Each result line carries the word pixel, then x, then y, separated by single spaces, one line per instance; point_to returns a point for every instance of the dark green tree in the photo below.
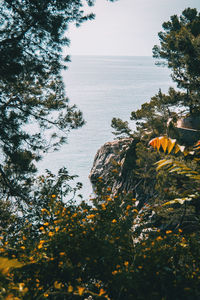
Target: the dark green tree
pixel 32 37
pixel 180 46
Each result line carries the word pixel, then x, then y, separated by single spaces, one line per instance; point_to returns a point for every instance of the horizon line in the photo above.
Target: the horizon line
pixel 112 55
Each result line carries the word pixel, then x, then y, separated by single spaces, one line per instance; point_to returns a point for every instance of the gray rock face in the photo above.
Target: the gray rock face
pixel 186 130
pixel 113 164
pixel 190 122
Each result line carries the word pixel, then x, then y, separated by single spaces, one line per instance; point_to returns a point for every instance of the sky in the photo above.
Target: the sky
pixel 125 27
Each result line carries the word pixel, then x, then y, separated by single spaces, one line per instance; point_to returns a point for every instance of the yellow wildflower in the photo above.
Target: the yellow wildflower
pixel 114 221
pixel 46 295
pixel 117 266
pixel 168 231
pixel 70 289
pixel 60 264
pixel 103 206
pixel 81 290
pixel 31 258
pixel 101 292
pixel 22 287
pixel 41 244
pixel 115 272
pixel 90 216
pixel 128 207
pixel 140 267
pixel 57 285
pixel 183 245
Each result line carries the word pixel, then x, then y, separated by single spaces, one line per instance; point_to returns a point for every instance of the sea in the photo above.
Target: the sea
pixel 103 87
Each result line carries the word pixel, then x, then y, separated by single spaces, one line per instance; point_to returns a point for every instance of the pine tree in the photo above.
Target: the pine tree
pixel 180 46
pixel 32 37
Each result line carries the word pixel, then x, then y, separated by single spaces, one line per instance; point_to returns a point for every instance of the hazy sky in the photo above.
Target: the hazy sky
pixel 125 27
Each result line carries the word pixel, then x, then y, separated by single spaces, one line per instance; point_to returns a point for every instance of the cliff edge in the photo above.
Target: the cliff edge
pixel 114 163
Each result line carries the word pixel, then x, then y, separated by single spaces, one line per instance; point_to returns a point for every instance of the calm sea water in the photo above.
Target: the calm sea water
pixel 103 87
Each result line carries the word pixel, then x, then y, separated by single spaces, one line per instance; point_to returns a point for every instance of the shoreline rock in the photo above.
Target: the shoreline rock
pixel 114 163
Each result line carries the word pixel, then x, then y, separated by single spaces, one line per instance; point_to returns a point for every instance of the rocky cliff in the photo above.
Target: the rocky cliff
pixel 114 164
pixel 115 161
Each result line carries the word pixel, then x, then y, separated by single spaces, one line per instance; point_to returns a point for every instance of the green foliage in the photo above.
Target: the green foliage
pixel 35 114
pixel 121 127
pixel 104 251
pixel 158 117
pixel 179 45
pixel 152 119
pixel 119 246
pixel 32 35
pixel 182 192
